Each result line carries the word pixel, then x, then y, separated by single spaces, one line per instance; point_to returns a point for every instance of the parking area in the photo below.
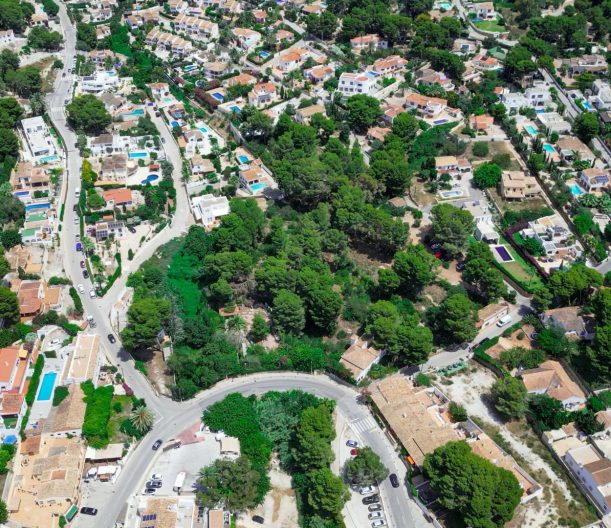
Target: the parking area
pixel 188 458
pixel 356 514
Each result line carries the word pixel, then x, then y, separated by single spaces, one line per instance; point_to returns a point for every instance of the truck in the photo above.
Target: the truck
pixel 179 482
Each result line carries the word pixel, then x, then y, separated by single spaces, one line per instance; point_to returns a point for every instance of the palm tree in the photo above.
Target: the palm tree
pixel 142 419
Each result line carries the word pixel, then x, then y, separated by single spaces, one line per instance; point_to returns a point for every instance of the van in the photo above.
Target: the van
pixel 503 320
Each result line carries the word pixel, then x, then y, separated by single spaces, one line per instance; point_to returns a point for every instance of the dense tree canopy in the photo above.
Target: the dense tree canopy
pixel 87 113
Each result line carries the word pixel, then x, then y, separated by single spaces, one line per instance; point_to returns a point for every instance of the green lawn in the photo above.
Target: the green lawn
pixel 520 268
pixel 490 25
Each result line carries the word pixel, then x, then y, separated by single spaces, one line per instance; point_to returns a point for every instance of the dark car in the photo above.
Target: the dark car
pixel 85 274
pixel 112 338
pixel 154 484
pixel 461 266
pixel 394 480
pixel 79 246
pixel 258 519
pixel 372 499
pixel 132 229
pixel 82 263
pixel 157 444
pixel 89 511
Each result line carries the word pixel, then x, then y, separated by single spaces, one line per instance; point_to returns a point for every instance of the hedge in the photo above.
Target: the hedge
pixel 76 299
pixel 35 380
pixel 97 413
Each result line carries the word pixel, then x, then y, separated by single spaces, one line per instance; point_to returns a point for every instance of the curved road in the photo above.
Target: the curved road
pixel 173 417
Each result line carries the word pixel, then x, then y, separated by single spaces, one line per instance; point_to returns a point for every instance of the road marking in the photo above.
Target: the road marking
pixel 363 424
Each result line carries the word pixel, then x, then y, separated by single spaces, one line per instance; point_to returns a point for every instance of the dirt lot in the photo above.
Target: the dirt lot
pixel 279 508
pixel 561 502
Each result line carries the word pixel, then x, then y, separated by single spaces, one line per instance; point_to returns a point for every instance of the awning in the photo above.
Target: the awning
pixel 71 513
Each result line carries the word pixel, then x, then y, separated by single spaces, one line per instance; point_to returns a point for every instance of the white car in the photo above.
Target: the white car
pixel 156 476
pixel 92 294
pixel 379 522
pixel 366 490
pixel 80 288
pixel 375 515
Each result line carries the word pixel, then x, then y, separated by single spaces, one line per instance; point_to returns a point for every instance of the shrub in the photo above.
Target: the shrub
pixel 76 299
pixel 60 394
pixel 480 149
pixel 423 380
pixel 458 412
pixel 35 380
pixel 97 413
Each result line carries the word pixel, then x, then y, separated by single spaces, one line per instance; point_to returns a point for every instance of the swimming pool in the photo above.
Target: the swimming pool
pixel 540 111
pixel 549 148
pixel 38 206
pixel 440 121
pixel 168 99
pixel 503 253
pixel 137 111
pixel 235 108
pixel 22 193
pixel 264 54
pixel 531 130
pixel 243 159
pixel 203 129
pixel 137 154
pixel 444 5
pixel 257 186
pixel 47 159
pixel 373 74
pixel 446 195
pixel 587 106
pixel 46 387
pixel 190 67
pixel 149 179
pixel 576 190
pixel 218 96
pixel 175 124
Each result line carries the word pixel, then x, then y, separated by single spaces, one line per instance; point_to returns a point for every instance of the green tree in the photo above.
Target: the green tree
pixel 363 112
pixel 86 36
pixel 405 126
pixel 480 149
pixel 486 281
pixel 458 412
pixel 142 419
pixel 312 439
pixel 457 319
pixel 518 63
pixel 87 113
pixel 147 317
pixel 15 15
pixel 9 306
pixel 509 396
pixel 288 313
pixel 41 38
pixel 323 25
pixel 416 343
pixel 3 512
pixel 586 126
pixel 586 421
pixel 9 144
pixel 452 227
pixel 487 175
pixel 548 411
pixel 259 329
pixel 415 267
pixel 533 246
pixel 327 494
pixel 365 468
pixel 232 483
pixel 25 81
pixel 484 495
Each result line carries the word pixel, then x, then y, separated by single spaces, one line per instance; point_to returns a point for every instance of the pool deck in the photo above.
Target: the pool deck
pixel 41 409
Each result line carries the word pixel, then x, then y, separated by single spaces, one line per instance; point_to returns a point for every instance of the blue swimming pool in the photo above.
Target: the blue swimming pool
pixel 10 440
pixel 242 158
pixel 587 106
pixel 203 129
pixel 22 193
pixel 503 253
pixel 540 111
pixel 257 186
pixel 47 159
pixel 218 96
pixel 549 148
pixel 46 387
pixel 264 54
pixel 576 190
pixel 440 121
pixel 531 130
pixel 137 154
pixel 149 179
pixel 175 124
pixel 235 108
pixel 137 111
pixel 37 207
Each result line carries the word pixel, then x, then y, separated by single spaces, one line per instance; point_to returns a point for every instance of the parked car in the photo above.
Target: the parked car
pixel 366 490
pixel 154 476
pixel 374 507
pixel 154 484
pixel 150 491
pixel 394 480
pixel 92 294
pixel 75 220
pixel 80 288
pixel 379 522
pixel 352 443
pixel 85 274
pixel 112 338
pixel 89 511
pixel 353 452
pixel 82 264
pixel 460 266
pixel 157 444
pixel 132 229
pixel 79 246
pixel 372 499
pixel 258 519
pixel 506 319
pixel 375 515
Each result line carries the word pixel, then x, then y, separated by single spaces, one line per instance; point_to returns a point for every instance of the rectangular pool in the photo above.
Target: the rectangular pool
pixel 531 130
pixel 549 148
pixel 257 186
pixel 46 387
pixel 218 96
pixel 37 207
pixel 503 253
pixel 576 190
pixel 137 154
pixel 243 159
